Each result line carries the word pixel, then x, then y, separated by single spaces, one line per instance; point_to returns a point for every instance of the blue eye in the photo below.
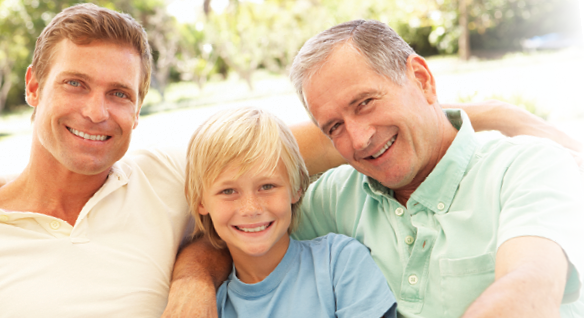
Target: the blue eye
pixel 120 94
pixel 74 83
pixel 267 186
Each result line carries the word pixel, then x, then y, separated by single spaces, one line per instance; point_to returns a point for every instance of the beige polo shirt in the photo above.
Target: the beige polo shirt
pixel 116 261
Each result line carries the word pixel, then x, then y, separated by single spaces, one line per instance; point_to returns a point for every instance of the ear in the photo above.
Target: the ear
pixel 296 197
pixel 137 117
pixel 419 71
pixel 202 210
pixel 32 88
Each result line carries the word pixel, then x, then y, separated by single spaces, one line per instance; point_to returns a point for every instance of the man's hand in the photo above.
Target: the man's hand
pixel 198 271
pixel 530 277
pixel 512 121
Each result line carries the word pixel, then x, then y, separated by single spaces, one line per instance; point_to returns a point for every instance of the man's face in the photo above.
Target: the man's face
pixel 87 107
pixel 383 130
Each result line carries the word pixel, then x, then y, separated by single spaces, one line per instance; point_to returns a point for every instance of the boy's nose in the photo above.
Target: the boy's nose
pixel 250 206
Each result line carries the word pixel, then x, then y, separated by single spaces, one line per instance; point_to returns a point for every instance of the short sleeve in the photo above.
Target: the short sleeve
pixel 359 286
pixel 541 195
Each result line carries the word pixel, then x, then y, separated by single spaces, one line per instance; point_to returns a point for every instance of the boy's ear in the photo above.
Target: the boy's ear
pixel 296 197
pixel 202 210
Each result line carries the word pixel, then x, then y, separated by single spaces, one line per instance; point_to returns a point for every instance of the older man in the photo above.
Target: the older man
pixel 459 227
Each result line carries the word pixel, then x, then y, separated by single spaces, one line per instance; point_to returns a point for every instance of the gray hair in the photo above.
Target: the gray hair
pixel 383 49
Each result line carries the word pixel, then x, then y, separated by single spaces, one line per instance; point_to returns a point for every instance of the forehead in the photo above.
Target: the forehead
pixel 344 76
pixel 100 60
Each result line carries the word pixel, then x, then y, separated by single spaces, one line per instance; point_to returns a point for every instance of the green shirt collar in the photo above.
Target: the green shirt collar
pixel 437 191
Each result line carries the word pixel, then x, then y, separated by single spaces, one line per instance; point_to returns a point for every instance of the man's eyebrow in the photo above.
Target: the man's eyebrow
pixel 354 100
pixel 75 74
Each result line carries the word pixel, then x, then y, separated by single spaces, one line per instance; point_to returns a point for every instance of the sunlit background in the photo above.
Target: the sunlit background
pixel 228 53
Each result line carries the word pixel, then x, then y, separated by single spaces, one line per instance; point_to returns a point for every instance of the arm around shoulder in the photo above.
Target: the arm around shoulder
pixel 511 121
pixel 198 271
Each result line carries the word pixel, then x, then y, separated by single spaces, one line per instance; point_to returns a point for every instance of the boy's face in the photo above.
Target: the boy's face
pixel 252 212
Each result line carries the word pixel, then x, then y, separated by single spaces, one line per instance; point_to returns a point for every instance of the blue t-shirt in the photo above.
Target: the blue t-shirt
pixel 330 276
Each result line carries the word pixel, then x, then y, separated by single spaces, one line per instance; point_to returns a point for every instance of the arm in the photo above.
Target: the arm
pixel 512 121
pixel 530 277
pixel 317 150
pixel 198 271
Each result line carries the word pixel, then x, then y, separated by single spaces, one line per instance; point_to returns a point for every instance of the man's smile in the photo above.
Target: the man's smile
pixel 383 149
pixel 88 136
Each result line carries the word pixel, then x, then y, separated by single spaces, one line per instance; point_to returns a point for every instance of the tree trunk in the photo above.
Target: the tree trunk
pixel 464 39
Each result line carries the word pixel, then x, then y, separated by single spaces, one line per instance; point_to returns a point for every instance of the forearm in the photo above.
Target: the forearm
pixel 513 121
pixel 198 271
pixel 317 150
pixel 528 282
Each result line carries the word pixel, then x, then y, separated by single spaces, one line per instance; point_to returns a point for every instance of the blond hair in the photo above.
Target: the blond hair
pixel 84 23
pixel 252 138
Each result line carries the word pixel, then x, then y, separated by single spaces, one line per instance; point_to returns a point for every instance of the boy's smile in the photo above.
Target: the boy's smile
pixel 251 212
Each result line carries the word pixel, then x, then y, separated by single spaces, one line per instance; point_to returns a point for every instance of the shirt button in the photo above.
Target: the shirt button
pixel 413 279
pixel 441 206
pixel 399 211
pixel 55 225
pixel 3 218
pixel 409 240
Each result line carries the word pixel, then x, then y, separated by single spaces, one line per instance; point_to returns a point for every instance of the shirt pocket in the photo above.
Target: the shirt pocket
pixel 463 280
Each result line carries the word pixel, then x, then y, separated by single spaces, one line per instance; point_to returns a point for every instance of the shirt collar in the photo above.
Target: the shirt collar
pixel 438 190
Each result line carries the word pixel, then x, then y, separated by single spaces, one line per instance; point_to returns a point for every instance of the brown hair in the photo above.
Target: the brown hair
pixel 84 23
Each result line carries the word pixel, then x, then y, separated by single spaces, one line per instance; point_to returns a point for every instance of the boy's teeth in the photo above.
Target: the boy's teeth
pixel 87 136
pixel 387 145
pixel 253 229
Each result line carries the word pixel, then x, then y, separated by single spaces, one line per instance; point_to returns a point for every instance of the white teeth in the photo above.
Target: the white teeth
pixel 87 136
pixel 253 229
pixel 387 145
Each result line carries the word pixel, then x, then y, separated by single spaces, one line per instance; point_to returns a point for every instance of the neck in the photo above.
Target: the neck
pixel 445 135
pixel 49 188
pixel 254 269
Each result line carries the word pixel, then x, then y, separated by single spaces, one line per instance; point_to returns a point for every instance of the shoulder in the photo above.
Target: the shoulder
pixel 333 245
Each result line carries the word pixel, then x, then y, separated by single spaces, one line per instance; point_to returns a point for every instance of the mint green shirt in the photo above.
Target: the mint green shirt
pixel 438 252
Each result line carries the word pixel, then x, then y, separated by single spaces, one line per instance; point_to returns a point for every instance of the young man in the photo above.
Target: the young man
pixel 85 233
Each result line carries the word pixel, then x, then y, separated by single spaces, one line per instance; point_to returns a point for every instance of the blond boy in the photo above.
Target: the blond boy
pixel 245 180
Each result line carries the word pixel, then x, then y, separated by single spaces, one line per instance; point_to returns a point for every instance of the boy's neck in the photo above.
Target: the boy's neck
pixel 252 269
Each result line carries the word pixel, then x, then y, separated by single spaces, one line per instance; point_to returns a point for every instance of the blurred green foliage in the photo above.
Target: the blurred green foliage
pixel 251 35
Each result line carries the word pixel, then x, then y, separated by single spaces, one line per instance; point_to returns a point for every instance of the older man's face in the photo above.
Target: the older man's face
pixel 386 131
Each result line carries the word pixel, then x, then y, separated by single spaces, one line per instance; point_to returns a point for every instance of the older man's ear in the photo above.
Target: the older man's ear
pixel 418 70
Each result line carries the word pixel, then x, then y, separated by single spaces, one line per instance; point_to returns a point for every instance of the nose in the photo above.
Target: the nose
pixel 250 206
pixel 360 133
pixel 95 108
